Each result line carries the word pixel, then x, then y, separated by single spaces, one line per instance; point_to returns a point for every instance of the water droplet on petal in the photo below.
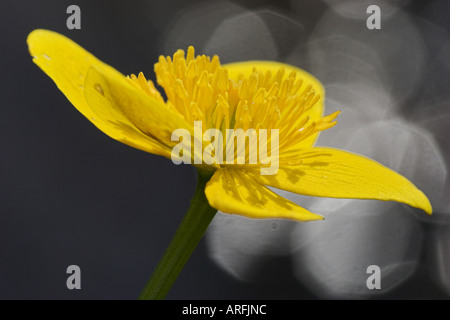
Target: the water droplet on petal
pixel 99 89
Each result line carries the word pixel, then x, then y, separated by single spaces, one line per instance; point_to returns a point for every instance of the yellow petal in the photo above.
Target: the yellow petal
pixel 326 172
pixel 67 64
pixel 246 68
pixel 113 98
pixel 236 192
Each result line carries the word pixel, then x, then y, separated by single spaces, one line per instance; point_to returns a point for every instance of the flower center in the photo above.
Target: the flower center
pixel 200 89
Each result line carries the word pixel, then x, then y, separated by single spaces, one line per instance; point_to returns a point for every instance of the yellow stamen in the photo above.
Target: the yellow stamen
pixel 199 89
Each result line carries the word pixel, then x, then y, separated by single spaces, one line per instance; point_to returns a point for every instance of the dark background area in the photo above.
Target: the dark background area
pixel 71 195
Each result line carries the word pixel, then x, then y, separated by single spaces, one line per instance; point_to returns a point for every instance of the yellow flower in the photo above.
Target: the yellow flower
pixel 253 94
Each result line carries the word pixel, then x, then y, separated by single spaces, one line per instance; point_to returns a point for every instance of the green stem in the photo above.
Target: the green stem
pixel 185 240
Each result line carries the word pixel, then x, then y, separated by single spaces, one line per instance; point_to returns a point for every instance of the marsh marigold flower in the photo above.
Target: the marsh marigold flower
pixel 244 95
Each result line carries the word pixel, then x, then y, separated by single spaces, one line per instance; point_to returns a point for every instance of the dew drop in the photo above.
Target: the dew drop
pixel 99 89
pixel 46 57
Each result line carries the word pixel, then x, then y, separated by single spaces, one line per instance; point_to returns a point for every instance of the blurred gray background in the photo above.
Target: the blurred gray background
pixel 71 195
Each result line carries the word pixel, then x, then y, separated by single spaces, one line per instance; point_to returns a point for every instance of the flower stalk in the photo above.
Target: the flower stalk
pixel 185 240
